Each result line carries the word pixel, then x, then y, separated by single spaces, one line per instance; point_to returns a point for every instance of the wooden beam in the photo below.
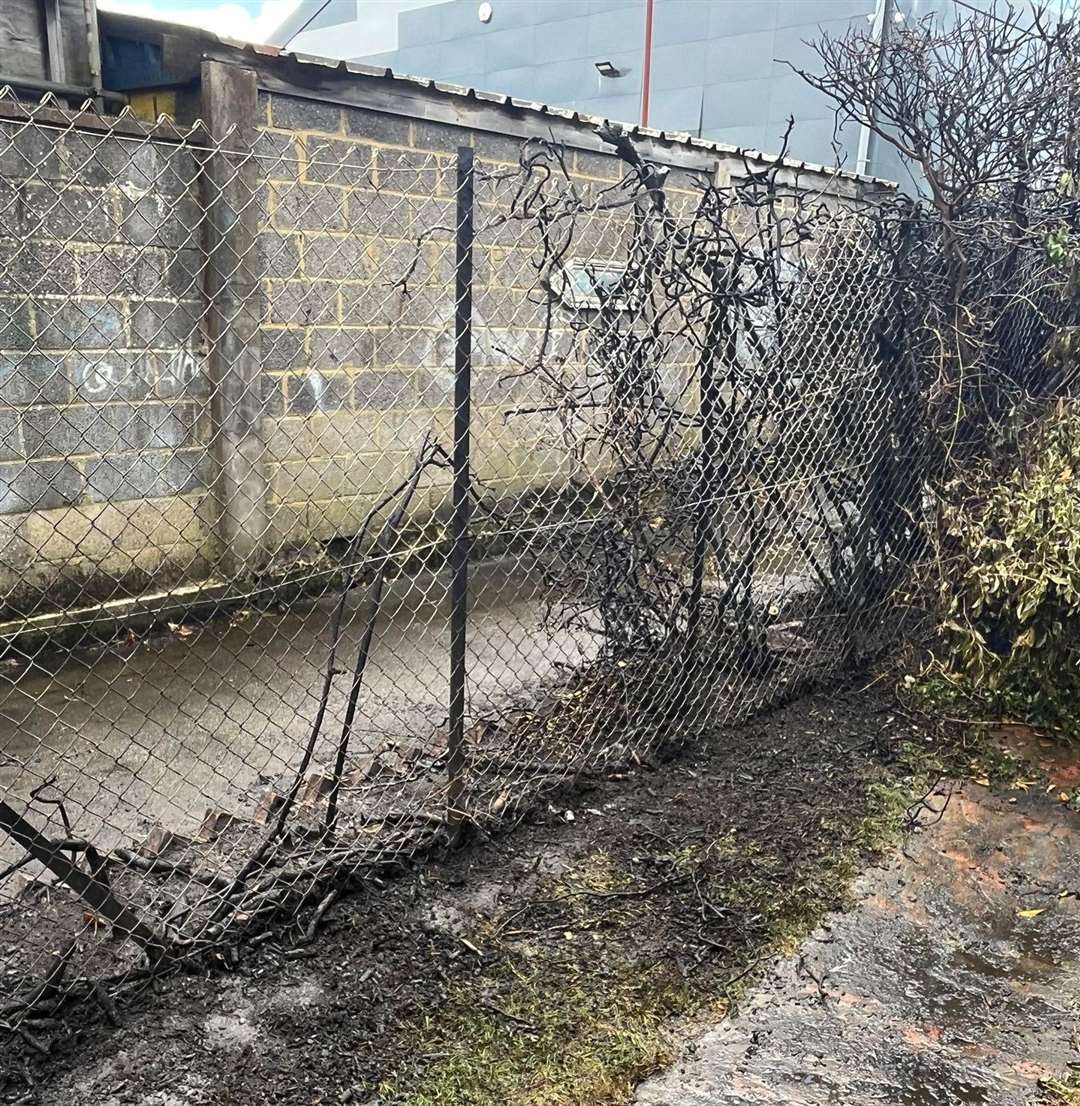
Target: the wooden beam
pixel 54 42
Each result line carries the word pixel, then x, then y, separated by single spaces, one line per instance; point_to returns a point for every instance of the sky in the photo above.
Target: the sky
pixel 249 20
pixel 255 20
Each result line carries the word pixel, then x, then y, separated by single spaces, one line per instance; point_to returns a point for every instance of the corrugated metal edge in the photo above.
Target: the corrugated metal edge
pixel 380 73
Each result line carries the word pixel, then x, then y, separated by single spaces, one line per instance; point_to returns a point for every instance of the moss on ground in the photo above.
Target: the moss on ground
pixel 575 1003
pixel 581 993
pixel 1057 1092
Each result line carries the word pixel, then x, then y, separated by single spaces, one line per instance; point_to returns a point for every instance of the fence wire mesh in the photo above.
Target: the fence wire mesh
pixel 230 452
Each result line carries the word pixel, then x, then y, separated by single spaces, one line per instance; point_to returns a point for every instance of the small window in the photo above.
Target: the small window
pixel 589 285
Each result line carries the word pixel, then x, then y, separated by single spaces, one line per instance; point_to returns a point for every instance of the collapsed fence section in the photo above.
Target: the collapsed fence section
pixel 487 471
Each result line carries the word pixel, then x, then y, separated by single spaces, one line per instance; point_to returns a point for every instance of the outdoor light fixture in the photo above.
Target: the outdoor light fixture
pixel 483 13
pixel 606 69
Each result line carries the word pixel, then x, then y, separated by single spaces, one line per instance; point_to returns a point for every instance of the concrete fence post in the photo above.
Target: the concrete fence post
pixel 231 281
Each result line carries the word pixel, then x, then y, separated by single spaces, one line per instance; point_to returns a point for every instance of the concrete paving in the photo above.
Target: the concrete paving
pixel 161 729
pixel 955 980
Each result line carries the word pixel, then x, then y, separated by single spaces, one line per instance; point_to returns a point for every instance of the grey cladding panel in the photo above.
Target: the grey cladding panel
pixel 624 109
pixel 748 138
pixel 513 82
pixel 509 49
pixel 458 19
pixel 558 42
pixel 334 14
pixel 739 58
pixel 791 95
pixel 791 13
pixel 678 66
pixel 678 21
pixel 557 11
pixel 736 17
pixel 419 26
pixel 613 31
pixel 737 103
pixel 566 82
pixel 793 44
pixel 676 110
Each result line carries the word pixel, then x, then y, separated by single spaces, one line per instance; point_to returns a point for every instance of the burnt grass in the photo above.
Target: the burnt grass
pixel 555 963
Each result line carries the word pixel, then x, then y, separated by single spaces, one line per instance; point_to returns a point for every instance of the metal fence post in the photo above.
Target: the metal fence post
pixel 459 530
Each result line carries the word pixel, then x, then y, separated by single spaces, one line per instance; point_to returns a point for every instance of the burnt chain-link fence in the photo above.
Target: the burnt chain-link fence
pixel 356 496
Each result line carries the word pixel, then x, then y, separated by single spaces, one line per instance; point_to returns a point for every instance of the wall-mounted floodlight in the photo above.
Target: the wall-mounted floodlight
pixel 606 69
pixel 484 12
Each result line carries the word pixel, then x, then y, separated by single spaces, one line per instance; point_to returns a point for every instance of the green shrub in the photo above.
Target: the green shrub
pixel 1009 579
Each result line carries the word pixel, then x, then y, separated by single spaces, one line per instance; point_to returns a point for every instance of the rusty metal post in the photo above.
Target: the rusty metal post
pixel 90 888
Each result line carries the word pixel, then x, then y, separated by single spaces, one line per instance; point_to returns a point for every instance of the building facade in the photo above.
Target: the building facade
pixel 718 69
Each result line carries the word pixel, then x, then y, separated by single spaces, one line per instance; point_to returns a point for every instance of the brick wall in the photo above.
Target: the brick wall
pixel 107 413
pixel 102 382
pixel 361 358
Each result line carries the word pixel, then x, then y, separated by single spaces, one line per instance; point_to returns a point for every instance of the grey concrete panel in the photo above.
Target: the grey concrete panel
pixel 613 31
pixel 559 41
pixel 678 21
pixel 738 17
pixel 680 66
pixel 737 103
pixel 676 110
pixel 739 57
pixel 507 49
pixel 790 13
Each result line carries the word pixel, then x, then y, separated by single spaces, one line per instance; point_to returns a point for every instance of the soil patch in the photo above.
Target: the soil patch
pixel 556 963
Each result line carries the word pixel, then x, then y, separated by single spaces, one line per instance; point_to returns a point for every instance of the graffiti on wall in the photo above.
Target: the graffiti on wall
pixel 163 376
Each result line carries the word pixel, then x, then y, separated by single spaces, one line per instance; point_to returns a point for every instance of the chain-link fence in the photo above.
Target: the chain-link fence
pixel 354 497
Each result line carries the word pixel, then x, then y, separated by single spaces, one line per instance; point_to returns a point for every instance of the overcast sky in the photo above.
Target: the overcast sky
pixel 255 20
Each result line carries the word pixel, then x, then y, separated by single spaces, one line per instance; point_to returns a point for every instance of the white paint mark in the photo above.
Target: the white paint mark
pixel 178 372
pixel 164 376
pixel 318 386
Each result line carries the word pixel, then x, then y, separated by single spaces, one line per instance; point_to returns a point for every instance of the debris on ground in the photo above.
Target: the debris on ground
pixel 561 963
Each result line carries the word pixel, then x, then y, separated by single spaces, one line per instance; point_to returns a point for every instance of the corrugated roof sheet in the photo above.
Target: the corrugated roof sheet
pixel 381 73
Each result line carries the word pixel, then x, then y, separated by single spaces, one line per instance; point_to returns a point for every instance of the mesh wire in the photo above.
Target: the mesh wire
pixel 681 421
